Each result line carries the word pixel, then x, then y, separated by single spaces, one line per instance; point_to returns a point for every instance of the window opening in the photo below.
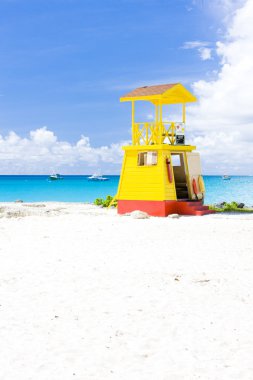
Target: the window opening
pixel 176 160
pixel 147 158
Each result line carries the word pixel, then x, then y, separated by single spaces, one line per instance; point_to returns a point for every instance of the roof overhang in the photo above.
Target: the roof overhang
pixel 176 93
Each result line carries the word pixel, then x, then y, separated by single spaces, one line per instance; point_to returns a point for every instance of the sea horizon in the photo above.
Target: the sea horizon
pixel 77 188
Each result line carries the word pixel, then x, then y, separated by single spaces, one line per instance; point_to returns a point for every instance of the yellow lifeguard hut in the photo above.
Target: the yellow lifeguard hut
pixel 160 174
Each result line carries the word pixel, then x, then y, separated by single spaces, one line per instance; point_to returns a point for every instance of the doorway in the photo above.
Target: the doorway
pixel 180 175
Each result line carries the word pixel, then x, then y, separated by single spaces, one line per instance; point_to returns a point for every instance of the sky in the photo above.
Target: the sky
pixel 65 63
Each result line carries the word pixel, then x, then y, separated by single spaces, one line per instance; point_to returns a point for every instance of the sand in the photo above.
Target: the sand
pixel 87 294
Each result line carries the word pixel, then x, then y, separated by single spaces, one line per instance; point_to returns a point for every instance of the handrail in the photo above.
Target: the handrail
pixel 151 133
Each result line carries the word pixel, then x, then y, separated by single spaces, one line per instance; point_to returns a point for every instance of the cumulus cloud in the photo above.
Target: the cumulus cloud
pixel 204 51
pixel 43 152
pixel 221 124
pixel 43 137
pixel 223 118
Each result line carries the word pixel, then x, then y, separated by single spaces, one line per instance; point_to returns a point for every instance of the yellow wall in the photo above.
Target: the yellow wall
pixel 147 182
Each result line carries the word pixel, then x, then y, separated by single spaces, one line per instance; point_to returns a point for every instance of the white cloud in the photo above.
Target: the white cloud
pixel 224 114
pixel 42 153
pixel 42 137
pixel 221 124
pixel 195 44
pixel 219 8
pixel 227 5
pixel 204 51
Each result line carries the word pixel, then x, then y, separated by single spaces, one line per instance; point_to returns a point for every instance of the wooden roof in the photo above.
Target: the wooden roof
pixel 149 90
pixel 162 93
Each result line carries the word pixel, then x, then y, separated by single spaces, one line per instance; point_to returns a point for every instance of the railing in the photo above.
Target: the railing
pixel 155 133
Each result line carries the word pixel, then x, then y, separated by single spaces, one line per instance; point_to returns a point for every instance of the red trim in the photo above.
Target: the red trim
pixel 194 186
pixel 163 208
pixel 169 171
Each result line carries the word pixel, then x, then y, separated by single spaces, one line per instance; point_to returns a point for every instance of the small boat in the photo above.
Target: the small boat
pixel 54 177
pixel 226 177
pixel 97 177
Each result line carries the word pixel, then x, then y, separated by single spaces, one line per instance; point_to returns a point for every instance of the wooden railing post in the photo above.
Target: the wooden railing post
pixel 146 133
pixel 172 133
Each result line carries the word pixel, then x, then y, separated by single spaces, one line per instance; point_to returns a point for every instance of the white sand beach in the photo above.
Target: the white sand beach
pixel 87 294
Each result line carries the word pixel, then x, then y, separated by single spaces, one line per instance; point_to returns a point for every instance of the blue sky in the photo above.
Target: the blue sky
pixel 65 63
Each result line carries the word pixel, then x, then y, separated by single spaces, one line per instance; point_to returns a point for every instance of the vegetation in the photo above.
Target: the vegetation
pixel 230 207
pixel 105 202
pixel 222 207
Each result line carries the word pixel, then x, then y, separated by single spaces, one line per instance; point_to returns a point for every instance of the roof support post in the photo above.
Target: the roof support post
pixel 183 110
pixel 156 114
pixel 161 112
pixel 133 128
pixel 160 123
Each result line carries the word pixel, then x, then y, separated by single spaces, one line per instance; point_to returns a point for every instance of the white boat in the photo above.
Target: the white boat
pixel 55 177
pixel 226 177
pixel 97 177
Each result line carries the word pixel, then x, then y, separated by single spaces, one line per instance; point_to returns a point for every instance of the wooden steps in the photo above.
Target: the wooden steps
pixel 193 208
pixel 181 190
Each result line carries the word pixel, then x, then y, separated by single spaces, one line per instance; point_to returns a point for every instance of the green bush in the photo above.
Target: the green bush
pixel 98 202
pixel 105 202
pixel 230 207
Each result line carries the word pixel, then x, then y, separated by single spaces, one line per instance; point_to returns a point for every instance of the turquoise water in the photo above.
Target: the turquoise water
pixel 79 189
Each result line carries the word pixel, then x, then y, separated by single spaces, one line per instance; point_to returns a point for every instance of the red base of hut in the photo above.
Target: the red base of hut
pixel 164 208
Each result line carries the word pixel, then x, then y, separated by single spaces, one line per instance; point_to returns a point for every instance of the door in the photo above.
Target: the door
pixel 180 175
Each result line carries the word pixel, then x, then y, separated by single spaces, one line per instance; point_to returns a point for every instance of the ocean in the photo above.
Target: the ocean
pixel 77 188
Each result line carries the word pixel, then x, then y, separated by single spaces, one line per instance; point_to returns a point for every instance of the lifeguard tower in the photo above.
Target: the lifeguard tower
pixel 160 174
